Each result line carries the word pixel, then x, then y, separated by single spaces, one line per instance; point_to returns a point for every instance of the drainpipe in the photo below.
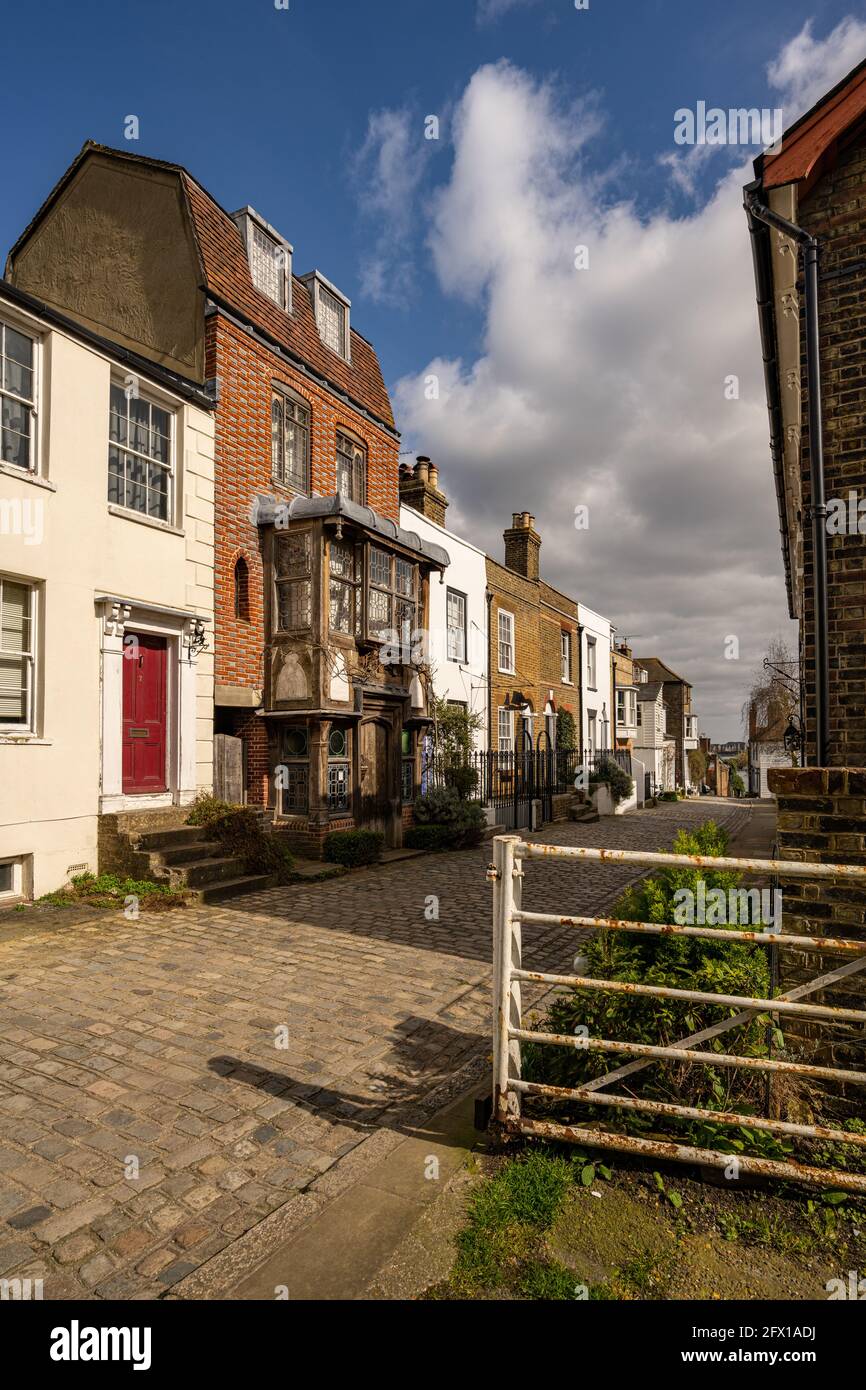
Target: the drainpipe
pixel 489 597
pixel 758 211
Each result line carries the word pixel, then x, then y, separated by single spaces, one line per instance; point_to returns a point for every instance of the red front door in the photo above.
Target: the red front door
pixel 144 709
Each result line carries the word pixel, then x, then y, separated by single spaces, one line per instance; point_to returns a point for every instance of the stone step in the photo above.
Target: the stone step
pixel 168 839
pixel 172 855
pixel 234 887
pixel 201 873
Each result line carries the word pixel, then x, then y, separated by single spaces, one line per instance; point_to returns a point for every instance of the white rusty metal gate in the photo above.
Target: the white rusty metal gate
pixel 508 1086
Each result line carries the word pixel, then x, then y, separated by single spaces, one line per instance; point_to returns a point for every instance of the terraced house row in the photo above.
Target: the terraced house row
pixel 216 571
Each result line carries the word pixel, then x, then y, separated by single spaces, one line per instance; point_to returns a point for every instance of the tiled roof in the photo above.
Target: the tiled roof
pixel 227 276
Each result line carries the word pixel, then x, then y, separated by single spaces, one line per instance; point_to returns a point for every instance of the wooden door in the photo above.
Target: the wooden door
pixel 374 775
pixel 145 730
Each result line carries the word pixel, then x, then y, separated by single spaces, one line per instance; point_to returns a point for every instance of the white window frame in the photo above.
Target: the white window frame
pixel 249 222
pixel 30 658
pixel 318 286
pixel 591 663
pixel 565 655
pixel 8 895
pixel 508 745
pixel 170 408
pixel 27 330
pixel 460 632
pixel 628 718
pixel 592 730
pixel 501 642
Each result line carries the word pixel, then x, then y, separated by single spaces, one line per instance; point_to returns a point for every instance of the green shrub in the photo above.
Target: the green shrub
pixel 240 833
pixel 667 796
pixel 432 837
pixel 462 778
pixel 675 961
pixel 353 848
pixel 609 771
pixel 206 809
pixel 110 890
pixel 566 730
pixel 443 807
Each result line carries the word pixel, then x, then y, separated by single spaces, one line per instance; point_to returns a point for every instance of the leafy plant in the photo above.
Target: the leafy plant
pixel 681 962
pixel 566 730
pixel 616 778
pixel 442 806
pixel 111 890
pixel 353 848
pixel 240 833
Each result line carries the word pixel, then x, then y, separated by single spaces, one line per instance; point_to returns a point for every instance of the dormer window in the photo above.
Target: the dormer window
pixel 331 309
pixel 269 255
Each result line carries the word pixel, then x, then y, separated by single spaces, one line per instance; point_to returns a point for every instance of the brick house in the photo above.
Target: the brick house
pixel 534 648
pixel 319 593
pixel 818 182
pixel 627 676
pixel 806 212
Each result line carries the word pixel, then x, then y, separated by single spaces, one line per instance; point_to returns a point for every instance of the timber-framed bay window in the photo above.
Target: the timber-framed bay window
pixel 17 397
pixel 392 597
pixel 290 439
pixel 140 455
pixel 351 468
pixel 293 580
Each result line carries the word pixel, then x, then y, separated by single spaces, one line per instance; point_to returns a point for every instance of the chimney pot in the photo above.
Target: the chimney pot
pixel 422 468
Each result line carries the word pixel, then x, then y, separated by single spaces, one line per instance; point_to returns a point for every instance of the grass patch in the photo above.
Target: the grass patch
pixel 502 1249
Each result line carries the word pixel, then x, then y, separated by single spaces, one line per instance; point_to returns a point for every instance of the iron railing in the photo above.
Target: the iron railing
pixel 509 917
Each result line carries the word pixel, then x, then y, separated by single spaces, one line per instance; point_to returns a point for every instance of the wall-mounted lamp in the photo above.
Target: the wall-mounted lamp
pixel 195 640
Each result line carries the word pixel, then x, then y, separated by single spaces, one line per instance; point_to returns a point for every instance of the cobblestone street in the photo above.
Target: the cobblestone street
pixel 167 1084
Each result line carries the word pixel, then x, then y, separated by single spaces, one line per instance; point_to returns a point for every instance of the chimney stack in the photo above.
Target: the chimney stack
pixel 522 545
pixel 419 489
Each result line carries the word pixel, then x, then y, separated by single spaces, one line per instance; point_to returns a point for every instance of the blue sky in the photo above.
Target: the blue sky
pixel 271 106
pixel 315 115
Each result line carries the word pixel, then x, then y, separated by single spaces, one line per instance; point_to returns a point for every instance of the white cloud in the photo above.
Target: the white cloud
pixel 387 172
pixel 808 67
pixel 605 387
pixel 490 10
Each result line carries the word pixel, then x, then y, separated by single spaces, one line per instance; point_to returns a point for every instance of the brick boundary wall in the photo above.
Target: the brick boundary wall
pixel 822 817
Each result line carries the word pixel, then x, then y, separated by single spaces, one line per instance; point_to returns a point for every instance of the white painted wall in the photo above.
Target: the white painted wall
pixel 53 778
pixel 763 757
pixel 597 700
pixel 467 573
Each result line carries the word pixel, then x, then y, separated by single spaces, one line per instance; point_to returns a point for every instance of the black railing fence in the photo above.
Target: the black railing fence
pixel 510 780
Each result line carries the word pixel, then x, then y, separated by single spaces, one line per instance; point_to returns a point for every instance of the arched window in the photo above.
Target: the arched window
pixel 242 588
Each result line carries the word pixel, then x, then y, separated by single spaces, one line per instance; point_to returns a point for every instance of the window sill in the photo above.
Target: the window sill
pixel 24 475
pixel 565 682
pixel 128 515
pixel 502 672
pixel 7 736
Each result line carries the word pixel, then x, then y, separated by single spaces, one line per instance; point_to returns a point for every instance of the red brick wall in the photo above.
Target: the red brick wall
pixel 246 371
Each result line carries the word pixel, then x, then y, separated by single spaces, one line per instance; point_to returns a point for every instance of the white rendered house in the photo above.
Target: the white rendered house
pixel 596 687
pixel 106 592
pixel 457 638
